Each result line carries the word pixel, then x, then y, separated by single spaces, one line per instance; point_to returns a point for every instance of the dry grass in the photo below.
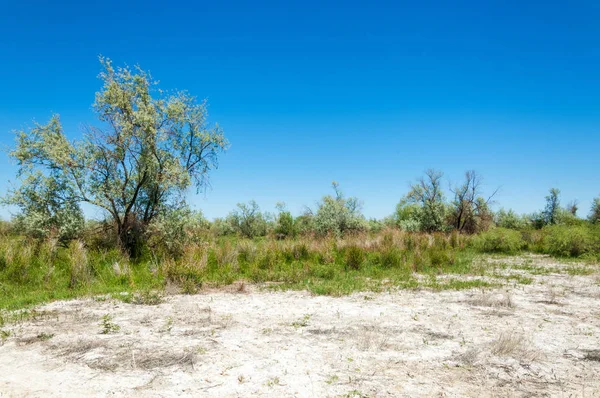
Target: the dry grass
pixel 493 299
pixel 147 359
pixel 552 295
pixel 76 349
pixel 372 338
pixel 511 344
pixel 470 357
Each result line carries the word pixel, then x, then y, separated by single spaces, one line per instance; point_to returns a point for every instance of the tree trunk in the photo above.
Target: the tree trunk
pixel 130 234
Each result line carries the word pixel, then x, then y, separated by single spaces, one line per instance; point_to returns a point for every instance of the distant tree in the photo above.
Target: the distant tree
pixel 470 211
pixel 222 227
pixel 285 226
pixel 509 219
pixel 150 147
pixel 408 216
pixel 552 209
pixel 572 207
pixel 427 193
pixel 248 220
pixel 594 216
pixel 338 215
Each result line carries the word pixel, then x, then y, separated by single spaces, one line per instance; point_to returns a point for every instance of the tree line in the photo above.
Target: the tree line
pixel 150 146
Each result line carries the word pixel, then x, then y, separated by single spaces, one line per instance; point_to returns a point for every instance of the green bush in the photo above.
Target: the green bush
pixel 568 241
pixel 338 215
pixel 175 228
pixel 247 220
pixel 440 257
pixel 499 240
pixel 285 227
pixel 355 257
pixel 391 258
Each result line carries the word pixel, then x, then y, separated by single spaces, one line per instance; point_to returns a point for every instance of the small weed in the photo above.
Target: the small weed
pixel 45 336
pixel 147 297
pixel 108 326
pixel 273 382
pixel 332 379
pixel 355 394
pixel 4 334
pixel 168 325
pixel 301 323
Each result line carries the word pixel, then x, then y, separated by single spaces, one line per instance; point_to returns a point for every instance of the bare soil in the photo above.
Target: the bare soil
pixel 538 339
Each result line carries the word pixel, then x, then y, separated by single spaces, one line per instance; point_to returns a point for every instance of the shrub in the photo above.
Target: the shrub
pixel 222 227
pixel 247 220
pixel 509 219
pixel 499 240
pixel 594 216
pixel 355 257
pixel 375 225
pixel 391 258
pixel 441 257
pixel 285 227
pixel 43 211
pixel 339 215
pixel 408 216
pixel 172 230
pixel 569 241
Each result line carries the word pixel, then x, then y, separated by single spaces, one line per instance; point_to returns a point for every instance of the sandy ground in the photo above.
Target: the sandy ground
pixel 541 339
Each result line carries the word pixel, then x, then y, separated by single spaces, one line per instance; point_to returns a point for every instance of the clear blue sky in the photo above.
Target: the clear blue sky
pixel 365 93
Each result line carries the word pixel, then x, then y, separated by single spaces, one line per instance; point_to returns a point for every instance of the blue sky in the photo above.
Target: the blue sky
pixel 369 94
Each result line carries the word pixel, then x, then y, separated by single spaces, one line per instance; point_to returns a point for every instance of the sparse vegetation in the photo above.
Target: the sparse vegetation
pixel 154 146
pixel 108 326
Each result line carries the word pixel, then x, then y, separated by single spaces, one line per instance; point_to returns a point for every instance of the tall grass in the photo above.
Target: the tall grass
pixel 33 271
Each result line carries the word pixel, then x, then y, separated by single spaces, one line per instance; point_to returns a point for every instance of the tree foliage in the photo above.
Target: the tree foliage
pixel 285 225
pixel 552 209
pixel 337 215
pixel 148 149
pixel 427 193
pixel 46 210
pixel 469 210
pixel 248 220
pixel 594 216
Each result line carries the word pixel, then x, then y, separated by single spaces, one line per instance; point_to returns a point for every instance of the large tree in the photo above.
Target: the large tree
pixel 148 149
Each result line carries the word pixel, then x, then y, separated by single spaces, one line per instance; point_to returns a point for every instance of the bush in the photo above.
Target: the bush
pixel 285 227
pixel 509 219
pixel 441 257
pixel 172 230
pixel 499 240
pixel 594 216
pixel 339 215
pixel 222 227
pixel 355 257
pixel 376 226
pixel 408 216
pixel 391 257
pixel 568 241
pixel 248 220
